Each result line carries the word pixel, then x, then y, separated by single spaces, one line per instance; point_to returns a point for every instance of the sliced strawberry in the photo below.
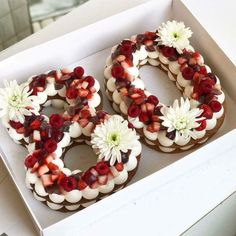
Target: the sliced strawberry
pixel 52 167
pixel 144 108
pixel 150 108
pixel 36 136
pixel 85 114
pixel 76 118
pixel 195 96
pixel 83 92
pixel 148 42
pixel 61 176
pixel 35 124
pixel 155 118
pixel 119 166
pixel 49 159
pixel 43 170
pixel 114 171
pixel 120 58
pixel 54 177
pixel 83 122
pixel 183 66
pixel 94 185
pixel 81 185
pixel 196 55
pixel 21 130
pixel 102 179
pixel 84 84
pixel 182 60
pixel 192 61
pixel 135 95
pixel 47 180
pixel 154 127
pixel 124 91
pixel 35 167
pixel 40 89
pixel 139 101
pixel 93 171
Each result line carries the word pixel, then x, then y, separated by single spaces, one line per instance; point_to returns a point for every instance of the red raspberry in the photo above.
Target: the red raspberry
pixel 206 85
pixel 207 111
pixel 202 125
pixel 188 73
pixel 50 145
pixel 102 168
pixel 143 117
pixel 89 178
pixel 56 121
pixel 133 111
pixel 126 49
pixel 168 51
pixel 30 161
pixel 78 72
pixel 71 93
pixel 153 99
pixel 215 106
pixel 90 81
pixel 117 71
pixel 68 183
pixel 35 124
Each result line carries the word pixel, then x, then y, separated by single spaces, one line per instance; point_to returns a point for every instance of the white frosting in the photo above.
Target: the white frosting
pixel 62 92
pixel 132 163
pixel 58 152
pixel 122 177
pixel 47 103
pixel 166 149
pixel 87 129
pixel 115 107
pixel 111 84
pixel 58 162
pixel 14 135
pixel 75 130
pixel 163 59
pixel 108 61
pixel 116 97
pixel 108 95
pixel 107 72
pixel 182 81
pixel 188 91
pixel 66 171
pixel 41 97
pixel 73 196
pixel 187 147
pixel 154 62
pixel 134 71
pixel 135 122
pixel 95 100
pixel 89 193
pixel 72 207
pixel 149 142
pixel 174 67
pixel 153 54
pixel 54 206
pixel 138 83
pixel 65 140
pixel 164 67
pixel 171 77
pixel 221 97
pixel 141 53
pixel 38 198
pixel 182 141
pixel 108 187
pixel 218 114
pixel 96 85
pixel 211 123
pixel 39 188
pixel 50 90
pixel 56 198
pixel 123 108
pixel 32 178
pixel 150 135
pixel 199 134
pixel 136 150
pixel 135 59
pixel 163 140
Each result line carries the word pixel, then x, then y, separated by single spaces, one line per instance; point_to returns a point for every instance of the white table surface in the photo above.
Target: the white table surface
pixel 14 219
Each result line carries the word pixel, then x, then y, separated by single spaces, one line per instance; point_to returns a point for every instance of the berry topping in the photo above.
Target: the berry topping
pixel 68 183
pixel 90 80
pixel 78 72
pixel 153 99
pixel 206 85
pixel 30 161
pixel 15 125
pixel 207 111
pixel 215 105
pixel 117 71
pixel 56 121
pixel 35 124
pixel 47 180
pixel 134 111
pixel 102 168
pixel 43 170
pixel 81 185
pixel 89 178
pixel 188 73
pixel 50 145
pixel 71 93
pixel 126 49
pixel 168 51
pixel 202 125
pixel 143 117
pixel 213 77
pixel 119 166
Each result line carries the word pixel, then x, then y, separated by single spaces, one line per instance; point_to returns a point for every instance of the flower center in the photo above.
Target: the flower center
pixel 180 123
pixel 113 138
pixel 176 36
pixel 15 101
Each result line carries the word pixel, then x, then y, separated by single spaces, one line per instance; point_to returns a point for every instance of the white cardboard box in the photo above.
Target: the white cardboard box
pixel 164 199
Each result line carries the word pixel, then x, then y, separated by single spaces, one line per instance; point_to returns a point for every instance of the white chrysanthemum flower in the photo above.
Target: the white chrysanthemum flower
pixel 181 118
pixel 174 34
pixel 16 102
pixel 113 137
